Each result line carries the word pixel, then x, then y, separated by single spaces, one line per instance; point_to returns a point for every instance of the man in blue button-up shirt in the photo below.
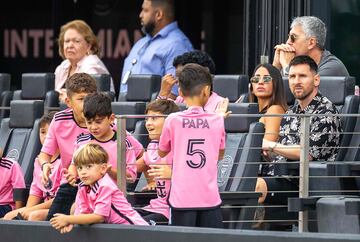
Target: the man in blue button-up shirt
pixel 155 52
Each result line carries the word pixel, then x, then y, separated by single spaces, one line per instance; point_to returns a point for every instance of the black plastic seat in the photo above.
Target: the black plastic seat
pixel 39 86
pixel 103 83
pixel 141 88
pixel 5 94
pixel 20 134
pixel 231 86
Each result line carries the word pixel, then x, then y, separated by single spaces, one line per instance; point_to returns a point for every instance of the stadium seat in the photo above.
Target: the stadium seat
pixel 243 135
pixel 20 134
pixel 231 86
pixel 38 86
pixel 5 95
pixel 141 88
pixel 103 83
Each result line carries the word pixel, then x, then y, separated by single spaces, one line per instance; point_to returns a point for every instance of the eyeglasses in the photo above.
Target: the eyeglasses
pixel 293 37
pixel 256 79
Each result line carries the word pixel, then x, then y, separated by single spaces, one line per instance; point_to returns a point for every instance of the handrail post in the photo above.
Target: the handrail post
pixel 304 170
pixel 121 153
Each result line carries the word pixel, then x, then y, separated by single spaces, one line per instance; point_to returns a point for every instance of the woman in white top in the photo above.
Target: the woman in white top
pixel 79 48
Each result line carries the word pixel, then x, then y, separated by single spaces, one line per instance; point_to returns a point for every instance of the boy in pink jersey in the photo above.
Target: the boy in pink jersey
pixel 63 130
pixel 99 119
pixel 100 200
pixel 197 140
pixel 35 209
pixel 11 178
pixel 158 209
pixel 197 57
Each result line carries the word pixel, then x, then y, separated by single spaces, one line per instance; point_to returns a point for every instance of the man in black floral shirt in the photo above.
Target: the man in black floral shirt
pixel 324 130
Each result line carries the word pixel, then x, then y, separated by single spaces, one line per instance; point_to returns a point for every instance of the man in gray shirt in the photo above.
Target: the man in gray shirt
pixel 307 37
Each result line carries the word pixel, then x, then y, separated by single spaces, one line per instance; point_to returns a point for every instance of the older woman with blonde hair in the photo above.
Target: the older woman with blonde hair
pixel 79 48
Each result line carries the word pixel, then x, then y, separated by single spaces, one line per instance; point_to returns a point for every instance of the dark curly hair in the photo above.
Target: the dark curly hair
pixel 196 56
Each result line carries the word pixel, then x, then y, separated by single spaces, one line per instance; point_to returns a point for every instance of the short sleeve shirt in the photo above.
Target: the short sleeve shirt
pixel 324 130
pixel 195 138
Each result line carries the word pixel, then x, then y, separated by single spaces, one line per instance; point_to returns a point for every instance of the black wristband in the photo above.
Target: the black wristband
pixel 42 165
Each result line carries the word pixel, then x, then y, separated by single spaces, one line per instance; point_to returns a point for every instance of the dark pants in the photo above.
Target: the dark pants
pixel 153 218
pixel 210 218
pixel 4 209
pixel 63 200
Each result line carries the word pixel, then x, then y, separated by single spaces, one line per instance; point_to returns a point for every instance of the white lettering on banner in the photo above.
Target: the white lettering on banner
pixel 39 43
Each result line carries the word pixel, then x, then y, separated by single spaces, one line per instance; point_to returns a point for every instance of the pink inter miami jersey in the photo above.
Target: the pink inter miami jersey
pixel 37 188
pixel 159 204
pixel 211 104
pixel 62 135
pixel 195 137
pixel 105 199
pixel 111 148
pixel 11 177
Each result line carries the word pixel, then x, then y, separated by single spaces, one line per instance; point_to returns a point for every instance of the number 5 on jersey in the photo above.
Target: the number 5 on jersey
pixel 192 151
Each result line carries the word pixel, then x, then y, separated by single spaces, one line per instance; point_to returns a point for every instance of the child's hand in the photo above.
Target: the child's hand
pixel 66 229
pixel 46 171
pixel 149 187
pixel 167 82
pixel 59 221
pixel 25 212
pixel 160 172
pixel 222 107
pixel 70 177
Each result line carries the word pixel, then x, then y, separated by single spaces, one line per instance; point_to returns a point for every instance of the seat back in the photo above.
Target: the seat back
pixel 38 86
pixel 236 128
pixel 142 88
pixel 231 86
pixel 5 94
pixel 20 134
pixel 103 82
pixel 134 125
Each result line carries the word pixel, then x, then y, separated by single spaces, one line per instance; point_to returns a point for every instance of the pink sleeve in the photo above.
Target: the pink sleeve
pixel 179 99
pixel 76 146
pixel 131 163
pixel 136 145
pixel 50 145
pixel 222 143
pixel 34 188
pixel 17 177
pixel 103 202
pixel 81 205
pixel 165 138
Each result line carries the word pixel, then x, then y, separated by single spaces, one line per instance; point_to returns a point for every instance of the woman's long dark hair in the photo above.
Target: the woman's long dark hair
pixel 278 95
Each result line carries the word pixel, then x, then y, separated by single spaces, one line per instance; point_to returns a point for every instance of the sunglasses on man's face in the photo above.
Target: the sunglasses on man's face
pixel 256 79
pixel 293 37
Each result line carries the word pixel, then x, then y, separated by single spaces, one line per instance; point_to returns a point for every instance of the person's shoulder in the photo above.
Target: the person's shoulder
pixel 83 138
pixel 8 163
pixel 330 65
pixel 64 115
pixel 275 109
pixel 105 183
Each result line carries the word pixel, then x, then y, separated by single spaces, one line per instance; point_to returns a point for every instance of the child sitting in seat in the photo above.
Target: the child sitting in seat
pixel 11 178
pixel 35 209
pixel 158 209
pixel 100 200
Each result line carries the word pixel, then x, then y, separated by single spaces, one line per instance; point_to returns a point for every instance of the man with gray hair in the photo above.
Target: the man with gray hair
pixel 307 36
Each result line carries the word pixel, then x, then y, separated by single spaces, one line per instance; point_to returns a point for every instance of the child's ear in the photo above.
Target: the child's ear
pixel 104 169
pixel 112 118
pixel 68 102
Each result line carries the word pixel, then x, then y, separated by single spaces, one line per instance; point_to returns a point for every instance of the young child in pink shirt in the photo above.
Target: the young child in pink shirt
pixel 99 119
pixel 100 200
pixel 11 177
pixel 197 140
pixel 35 209
pixel 158 209
pixel 63 130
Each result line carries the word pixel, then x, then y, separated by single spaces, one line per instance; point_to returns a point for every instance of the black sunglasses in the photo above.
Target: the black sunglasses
pixel 256 79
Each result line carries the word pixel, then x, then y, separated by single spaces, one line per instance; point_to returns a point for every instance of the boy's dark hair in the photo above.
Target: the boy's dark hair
pixel 162 106
pixel 46 119
pixel 196 56
pixel 304 59
pixel 80 82
pixel 97 104
pixel 193 78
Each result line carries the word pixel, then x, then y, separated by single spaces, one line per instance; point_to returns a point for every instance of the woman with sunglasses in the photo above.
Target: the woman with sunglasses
pixel 267 89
